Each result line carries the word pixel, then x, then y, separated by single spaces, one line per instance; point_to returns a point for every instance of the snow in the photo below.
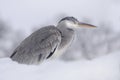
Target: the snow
pixel 102 68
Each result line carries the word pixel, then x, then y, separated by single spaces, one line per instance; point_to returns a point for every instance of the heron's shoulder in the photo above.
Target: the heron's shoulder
pixel 41 34
pixel 49 29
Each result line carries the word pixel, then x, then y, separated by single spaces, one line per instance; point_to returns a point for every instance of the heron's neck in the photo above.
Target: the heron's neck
pixel 67 35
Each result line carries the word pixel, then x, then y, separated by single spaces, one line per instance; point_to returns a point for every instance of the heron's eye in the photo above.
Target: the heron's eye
pixel 74 21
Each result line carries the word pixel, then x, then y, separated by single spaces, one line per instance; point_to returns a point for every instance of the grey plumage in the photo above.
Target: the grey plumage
pixel 31 50
pixel 46 42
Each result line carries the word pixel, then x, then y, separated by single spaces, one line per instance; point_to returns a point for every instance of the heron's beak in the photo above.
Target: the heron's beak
pixel 86 25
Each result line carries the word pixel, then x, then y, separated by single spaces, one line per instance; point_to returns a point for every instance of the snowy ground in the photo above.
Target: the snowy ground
pixel 103 68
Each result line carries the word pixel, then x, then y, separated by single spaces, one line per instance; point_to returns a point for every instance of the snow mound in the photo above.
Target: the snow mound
pixel 103 68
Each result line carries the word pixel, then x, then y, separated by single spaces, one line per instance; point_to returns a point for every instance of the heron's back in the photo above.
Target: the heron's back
pixel 43 41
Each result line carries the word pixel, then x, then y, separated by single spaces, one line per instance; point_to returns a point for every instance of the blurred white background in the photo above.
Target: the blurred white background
pixel 19 18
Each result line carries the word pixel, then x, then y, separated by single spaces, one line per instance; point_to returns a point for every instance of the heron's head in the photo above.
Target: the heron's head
pixel 72 22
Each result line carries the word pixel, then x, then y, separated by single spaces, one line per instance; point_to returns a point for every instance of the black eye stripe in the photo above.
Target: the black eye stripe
pixel 70 19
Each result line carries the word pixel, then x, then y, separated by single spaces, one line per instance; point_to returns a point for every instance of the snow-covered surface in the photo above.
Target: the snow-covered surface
pixel 102 68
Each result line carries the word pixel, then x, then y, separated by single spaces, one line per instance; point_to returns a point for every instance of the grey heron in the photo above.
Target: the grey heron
pixel 47 42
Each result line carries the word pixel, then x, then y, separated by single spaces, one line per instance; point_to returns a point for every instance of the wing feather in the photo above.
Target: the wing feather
pixel 38 46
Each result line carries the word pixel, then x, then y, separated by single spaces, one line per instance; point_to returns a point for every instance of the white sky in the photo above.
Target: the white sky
pixel 28 13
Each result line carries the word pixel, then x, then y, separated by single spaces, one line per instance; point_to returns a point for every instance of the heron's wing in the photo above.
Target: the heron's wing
pixel 41 44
